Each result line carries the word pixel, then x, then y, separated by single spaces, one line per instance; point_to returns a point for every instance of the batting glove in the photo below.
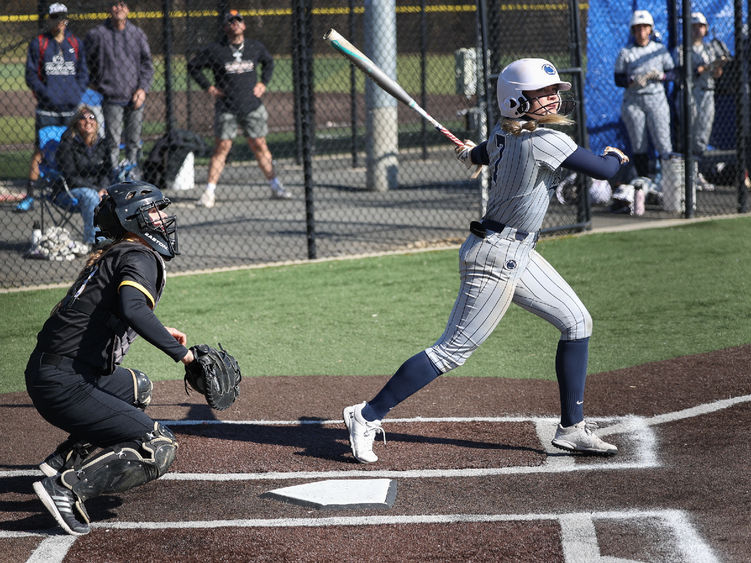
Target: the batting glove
pixel 463 153
pixel 617 152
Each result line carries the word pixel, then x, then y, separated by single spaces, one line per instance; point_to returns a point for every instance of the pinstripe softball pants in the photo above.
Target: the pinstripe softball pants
pixel 647 113
pixel 495 272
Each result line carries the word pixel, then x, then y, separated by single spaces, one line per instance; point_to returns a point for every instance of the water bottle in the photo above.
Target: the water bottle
pixel 36 234
pixel 639 201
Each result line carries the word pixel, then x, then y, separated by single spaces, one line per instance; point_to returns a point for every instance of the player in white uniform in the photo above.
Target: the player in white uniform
pixel 707 60
pixel 499 264
pixel 641 68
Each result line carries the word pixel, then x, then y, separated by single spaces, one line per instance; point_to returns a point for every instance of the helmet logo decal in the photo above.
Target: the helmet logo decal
pixel 547 68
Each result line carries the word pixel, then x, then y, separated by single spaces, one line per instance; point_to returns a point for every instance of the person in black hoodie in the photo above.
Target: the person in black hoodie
pixel 84 161
pixel 234 62
pixel 57 74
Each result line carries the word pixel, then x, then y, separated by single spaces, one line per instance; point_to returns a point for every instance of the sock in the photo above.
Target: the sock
pixel 274 183
pixel 571 371
pixel 413 375
pixel 211 188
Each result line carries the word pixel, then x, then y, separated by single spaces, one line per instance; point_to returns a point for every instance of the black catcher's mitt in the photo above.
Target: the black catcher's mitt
pixel 215 374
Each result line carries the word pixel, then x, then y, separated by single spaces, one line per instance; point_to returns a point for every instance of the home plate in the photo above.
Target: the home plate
pixel 340 493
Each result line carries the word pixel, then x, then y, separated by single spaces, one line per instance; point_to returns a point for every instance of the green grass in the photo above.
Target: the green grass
pixel 653 295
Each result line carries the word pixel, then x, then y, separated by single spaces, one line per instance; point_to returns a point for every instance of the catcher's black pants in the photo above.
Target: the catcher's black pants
pixel 92 408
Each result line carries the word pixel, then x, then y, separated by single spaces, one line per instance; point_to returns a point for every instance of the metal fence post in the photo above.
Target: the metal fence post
pixel 742 93
pixel 353 87
pixel 168 98
pixel 304 53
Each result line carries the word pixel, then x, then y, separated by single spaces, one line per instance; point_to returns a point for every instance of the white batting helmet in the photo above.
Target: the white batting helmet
pixel 698 18
pixel 641 17
pixel 522 75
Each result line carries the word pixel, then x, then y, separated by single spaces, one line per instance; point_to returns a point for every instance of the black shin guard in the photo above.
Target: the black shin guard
pixel 121 467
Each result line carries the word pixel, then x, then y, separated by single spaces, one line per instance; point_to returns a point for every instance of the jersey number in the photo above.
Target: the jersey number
pixel 500 142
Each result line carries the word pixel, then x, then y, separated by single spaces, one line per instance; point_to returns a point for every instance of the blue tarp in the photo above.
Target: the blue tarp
pixel 608 32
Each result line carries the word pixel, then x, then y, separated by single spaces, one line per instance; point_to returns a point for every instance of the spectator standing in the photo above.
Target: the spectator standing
pixel 121 71
pixel 57 74
pixel 84 162
pixel 641 68
pixel 237 92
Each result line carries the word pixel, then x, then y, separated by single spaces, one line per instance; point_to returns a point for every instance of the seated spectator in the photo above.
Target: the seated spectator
pixel 84 161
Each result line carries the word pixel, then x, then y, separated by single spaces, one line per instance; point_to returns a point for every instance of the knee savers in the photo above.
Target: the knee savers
pixel 121 467
pixel 142 387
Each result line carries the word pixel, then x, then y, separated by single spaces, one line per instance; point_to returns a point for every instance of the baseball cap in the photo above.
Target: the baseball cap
pixel 641 17
pixel 58 10
pixel 231 16
pixel 698 17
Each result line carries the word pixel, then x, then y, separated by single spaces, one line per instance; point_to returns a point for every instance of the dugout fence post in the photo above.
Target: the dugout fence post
pixel 688 128
pixel 742 94
pixel 301 14
pixel 584 207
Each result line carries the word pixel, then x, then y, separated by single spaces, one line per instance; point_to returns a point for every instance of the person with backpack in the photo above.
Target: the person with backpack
pixel 57 74
pixel 119 59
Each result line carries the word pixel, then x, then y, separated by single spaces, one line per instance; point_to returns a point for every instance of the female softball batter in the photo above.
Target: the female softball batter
pixel 74 378
pixel 498 262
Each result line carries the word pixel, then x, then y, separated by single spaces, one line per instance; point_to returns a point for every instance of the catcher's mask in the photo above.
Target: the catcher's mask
pixel 525 75
pixel 126 208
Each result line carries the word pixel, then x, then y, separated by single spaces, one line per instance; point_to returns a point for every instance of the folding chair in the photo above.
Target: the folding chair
pixel 56 202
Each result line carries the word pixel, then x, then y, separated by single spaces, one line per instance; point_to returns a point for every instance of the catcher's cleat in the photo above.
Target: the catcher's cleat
pixel 580 438
pixel 65 456
pixel 63 504
pixel 362 433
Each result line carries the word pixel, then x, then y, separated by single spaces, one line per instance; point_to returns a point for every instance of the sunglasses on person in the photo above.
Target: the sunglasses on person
pixel 88 116
pixel 59 16
pixel 235 19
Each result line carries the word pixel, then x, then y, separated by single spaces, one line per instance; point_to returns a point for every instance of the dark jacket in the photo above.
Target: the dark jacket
pixel 59 79
pixel 236 78
pixel 83 166
pixel 119 61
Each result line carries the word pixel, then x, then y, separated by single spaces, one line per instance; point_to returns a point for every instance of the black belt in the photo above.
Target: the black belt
pixel 55 360
pixel 479 228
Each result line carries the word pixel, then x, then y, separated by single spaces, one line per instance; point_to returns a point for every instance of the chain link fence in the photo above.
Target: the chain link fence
pixel 350 195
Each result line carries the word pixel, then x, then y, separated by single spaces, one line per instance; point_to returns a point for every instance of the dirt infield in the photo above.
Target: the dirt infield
pixel 478 481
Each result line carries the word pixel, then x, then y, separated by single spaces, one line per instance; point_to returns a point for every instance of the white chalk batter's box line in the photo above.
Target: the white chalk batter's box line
pixel 637 429
pixel 578 534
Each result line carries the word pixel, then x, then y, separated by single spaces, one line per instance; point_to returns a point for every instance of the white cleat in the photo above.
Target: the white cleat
pixel 362 433
pixel 580 438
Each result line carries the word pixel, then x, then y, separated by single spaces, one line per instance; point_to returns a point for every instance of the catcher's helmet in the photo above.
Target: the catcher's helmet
pixel 523 75
pixel 125 209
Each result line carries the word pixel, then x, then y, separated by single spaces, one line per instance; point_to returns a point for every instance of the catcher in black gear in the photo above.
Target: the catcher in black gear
pixel 215 374
pixel 74 376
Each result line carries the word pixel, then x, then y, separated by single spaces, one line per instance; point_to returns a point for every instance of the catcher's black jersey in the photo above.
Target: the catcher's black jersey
pixel 88 323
